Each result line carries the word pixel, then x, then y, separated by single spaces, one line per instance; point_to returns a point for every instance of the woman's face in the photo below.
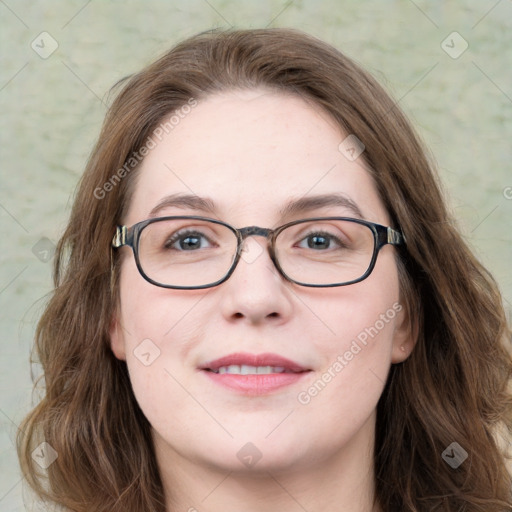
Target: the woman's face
pixel 251 153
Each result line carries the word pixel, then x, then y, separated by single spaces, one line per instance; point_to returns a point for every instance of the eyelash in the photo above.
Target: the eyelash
pixel 183 234
pixel 188 232
pixel 326 235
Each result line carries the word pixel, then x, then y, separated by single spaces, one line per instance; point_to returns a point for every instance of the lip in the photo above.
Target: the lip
pixel 260 384
pixel 267 359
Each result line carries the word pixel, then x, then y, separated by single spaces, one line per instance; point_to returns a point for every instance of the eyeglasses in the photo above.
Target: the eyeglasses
pixel 191 252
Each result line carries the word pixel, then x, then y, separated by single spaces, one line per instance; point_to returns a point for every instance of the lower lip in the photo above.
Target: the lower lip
pixel 256 384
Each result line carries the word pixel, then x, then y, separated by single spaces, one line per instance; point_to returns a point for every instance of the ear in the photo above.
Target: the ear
pixel 117 341
pixel 405 336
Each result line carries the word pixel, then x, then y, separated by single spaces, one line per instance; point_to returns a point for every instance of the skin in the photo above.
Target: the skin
pixel 251 152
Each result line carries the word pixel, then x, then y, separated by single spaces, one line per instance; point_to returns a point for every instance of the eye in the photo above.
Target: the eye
pixel 319 240
pixel 187 240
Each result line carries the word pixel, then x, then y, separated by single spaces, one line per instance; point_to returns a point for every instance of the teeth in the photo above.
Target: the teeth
pixel 244 369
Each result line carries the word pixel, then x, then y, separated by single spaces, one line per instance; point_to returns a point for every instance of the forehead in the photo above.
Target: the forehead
pixel 251 152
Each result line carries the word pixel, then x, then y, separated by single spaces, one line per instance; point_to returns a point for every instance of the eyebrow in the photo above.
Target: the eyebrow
pixel 185 201
pixel 309 203
pixel 293 207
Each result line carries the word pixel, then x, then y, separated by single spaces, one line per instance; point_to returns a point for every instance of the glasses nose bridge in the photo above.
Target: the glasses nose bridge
pixel 254 231
pixel 244 233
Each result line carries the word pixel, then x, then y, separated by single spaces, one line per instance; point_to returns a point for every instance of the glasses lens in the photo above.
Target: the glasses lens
pixel 325 251
pixel 186 252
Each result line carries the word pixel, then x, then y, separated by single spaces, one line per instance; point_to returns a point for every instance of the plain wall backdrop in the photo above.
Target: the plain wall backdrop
pixel 445 62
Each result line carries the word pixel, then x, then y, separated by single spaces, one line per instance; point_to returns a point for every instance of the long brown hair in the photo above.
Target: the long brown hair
pixel 454 386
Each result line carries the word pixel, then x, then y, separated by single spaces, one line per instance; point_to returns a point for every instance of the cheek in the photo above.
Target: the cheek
pixel 151 312
pixel 358 325
pixel 363 312
pixel 160 330
pixel 344 393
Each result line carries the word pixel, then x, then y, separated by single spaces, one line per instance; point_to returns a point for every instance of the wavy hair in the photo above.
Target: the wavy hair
pixel 453 388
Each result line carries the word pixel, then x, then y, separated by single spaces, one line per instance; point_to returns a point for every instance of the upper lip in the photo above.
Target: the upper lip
pixel 266 359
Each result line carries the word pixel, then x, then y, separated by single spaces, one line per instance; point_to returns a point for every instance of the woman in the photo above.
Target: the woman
pixel 262 303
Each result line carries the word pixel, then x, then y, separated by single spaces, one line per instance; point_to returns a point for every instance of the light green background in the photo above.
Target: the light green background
pixel 52 110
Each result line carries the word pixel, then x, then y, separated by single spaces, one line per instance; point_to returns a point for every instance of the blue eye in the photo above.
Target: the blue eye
pixel 188 240
pixel 320 240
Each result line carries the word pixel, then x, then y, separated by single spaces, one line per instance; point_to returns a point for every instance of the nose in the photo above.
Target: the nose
pixel 256 292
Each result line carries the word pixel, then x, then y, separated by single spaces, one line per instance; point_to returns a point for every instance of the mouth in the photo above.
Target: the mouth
pixel 244 369
pixel 254 374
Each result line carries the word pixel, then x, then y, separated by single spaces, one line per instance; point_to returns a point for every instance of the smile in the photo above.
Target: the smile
pixel 244 369
pixel 254 374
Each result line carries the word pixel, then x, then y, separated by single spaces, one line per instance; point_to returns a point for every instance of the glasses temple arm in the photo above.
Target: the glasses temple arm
pixel 395 237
